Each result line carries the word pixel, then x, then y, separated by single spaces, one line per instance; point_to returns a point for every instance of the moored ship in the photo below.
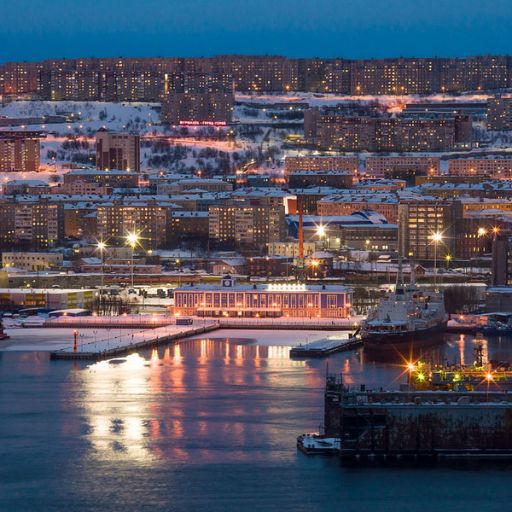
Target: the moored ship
pixel 406 321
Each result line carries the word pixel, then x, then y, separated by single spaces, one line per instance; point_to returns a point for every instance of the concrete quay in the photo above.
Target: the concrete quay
pixel 131 342
pixel 119 336
pixel 285 323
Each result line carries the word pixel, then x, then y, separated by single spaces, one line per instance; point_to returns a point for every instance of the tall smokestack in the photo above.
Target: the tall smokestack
pixel 301 232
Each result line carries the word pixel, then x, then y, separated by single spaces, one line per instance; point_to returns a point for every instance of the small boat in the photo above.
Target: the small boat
pixel 3 334
pixel 498 324
pixel 315 443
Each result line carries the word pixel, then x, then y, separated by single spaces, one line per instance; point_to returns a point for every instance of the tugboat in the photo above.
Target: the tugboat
pixel 405 321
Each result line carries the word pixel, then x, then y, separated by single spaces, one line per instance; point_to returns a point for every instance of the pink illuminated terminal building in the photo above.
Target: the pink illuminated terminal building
pixel 268 300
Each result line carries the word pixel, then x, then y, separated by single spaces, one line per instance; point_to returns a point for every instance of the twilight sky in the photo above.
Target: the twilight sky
pixel 37 29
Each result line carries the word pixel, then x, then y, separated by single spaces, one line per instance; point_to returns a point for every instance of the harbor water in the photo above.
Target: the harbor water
pixel 209 424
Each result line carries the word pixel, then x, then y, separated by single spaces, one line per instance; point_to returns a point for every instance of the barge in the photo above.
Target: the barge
pixel 435 414
pixel 325 347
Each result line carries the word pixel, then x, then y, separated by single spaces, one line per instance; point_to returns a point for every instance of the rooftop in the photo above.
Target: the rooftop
pixel 293 288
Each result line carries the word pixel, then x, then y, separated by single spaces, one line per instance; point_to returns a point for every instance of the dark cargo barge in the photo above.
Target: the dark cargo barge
pixel 418 424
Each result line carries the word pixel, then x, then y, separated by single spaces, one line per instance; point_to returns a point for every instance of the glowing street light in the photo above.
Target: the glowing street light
pixel 101 246
pixel 482 231
pixel 321 232
pixel 132 239
pixel 436 238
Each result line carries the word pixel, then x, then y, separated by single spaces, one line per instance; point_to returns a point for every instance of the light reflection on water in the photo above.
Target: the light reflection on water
pixel 122 426
pixel 208 424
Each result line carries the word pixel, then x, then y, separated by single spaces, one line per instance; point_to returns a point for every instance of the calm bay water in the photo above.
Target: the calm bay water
pixel 207 425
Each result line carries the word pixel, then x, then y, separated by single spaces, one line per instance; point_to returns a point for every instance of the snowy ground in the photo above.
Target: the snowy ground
pixel 343 323
pixel 193 152
pixel 96 339
pixel 85 118
pixel 89 340
pixel 393 103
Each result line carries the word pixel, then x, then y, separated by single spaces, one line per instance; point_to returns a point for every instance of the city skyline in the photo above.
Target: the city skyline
pixel 238 233
pixel 301 29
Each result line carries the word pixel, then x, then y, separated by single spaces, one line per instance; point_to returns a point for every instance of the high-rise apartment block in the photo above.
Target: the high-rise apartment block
pixel 34 223
pixel 150 219
pixel 247 224
pixel 19 78
pixel 198 99
pixel 395 166
pixel 19 151
pixel 495 168
pixel 145 79
pixel 321 163
pixel 328 129
pixel 418 220
pixel 120 151
pixel 499 113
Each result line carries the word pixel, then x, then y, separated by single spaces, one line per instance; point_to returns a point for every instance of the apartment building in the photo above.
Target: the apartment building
pixel 334 179
pixel 19 151
pixel 248 225
pixel 149 219
pixel 314 163
pixel 110 179
pixel 198 99
pixel 495 168
pixel 401 166
pixel 328 129
pixel 145 79
pixel 499 113
pixel 120 151
pixel 348 202
pixel 418 220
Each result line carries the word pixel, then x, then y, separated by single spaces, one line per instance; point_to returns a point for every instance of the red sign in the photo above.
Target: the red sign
pixel 203 123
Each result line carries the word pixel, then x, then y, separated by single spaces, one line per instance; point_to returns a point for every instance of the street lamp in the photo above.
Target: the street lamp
pixel 132 239
pixel 436 238
pixel 101 246
pixel 448 258
pixel 321 233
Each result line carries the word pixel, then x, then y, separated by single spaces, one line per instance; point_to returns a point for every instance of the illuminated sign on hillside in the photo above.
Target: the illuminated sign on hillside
pixel 203 123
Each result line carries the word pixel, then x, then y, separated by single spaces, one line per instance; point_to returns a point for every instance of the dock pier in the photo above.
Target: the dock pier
pixel 325 347
pixel 123 350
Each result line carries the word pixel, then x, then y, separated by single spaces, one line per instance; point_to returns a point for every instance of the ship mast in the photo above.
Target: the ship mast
pixel 399 277
pixel 300 269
